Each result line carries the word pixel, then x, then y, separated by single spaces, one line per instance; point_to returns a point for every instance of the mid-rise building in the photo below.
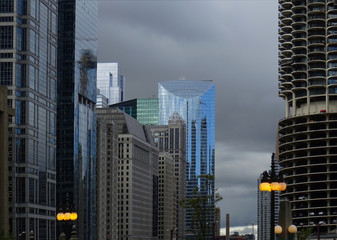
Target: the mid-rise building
pixel 102 101
pixel 194 101
pixel 308 133
pixel 137 177
pixel 111 82
pixel 76 117
pixel 5 113
pixel 145 110
pixel 28 45
pixel 171 139
pixel 107 171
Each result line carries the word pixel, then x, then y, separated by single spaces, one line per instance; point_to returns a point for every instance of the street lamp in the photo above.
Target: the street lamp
pixel 292 229
pixel 66 215
pixel 271 183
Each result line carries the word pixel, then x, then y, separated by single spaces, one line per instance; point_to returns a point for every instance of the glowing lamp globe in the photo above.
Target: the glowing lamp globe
pixel 278 229
pixel 283 186
pixel 60 216
pixel 265 186
pixel 67 216
pixel 73 216
pixel 275 186
pixel 292 229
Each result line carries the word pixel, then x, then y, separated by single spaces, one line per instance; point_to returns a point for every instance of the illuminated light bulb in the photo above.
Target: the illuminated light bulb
pixel 278 229
pixel 265 186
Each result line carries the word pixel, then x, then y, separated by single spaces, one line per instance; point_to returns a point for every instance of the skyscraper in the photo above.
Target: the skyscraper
pixel 107 171
pixel 111 82
pixel 137 177
pixel 308 133
pixel 5 112
pixel 28 43
pixel 145 110
pixel 171 139
pixel 194 101
pixel 76 119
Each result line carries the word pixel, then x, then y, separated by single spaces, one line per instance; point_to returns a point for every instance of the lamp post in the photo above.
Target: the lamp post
pixel 271 183
pixel 66 216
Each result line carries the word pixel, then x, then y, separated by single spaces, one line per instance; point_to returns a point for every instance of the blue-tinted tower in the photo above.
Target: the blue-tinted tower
pixel 195 102
pixel 76 118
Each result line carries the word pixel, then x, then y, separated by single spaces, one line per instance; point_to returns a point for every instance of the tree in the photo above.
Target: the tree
pixel 200 206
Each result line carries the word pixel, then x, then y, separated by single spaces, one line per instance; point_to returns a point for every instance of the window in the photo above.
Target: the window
pixel 6 37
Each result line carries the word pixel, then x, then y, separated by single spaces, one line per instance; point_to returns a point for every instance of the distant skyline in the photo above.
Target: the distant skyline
pixel 233 43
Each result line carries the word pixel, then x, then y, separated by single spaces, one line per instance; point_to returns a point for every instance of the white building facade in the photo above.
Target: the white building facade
pixel 111 82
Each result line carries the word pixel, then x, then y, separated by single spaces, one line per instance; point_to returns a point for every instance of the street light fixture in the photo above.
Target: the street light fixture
pixel 292 229
pixel 271 183
pixel 66 215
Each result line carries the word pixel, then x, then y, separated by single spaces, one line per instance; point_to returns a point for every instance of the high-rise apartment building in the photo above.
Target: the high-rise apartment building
pixel 194 101
pixel 5 113
pixel 137 177
pixel 76 117
pixel 171 139
pixel 107 171
pixel 111 82
pixel 308 133
pixel 145 110
pixel 28 43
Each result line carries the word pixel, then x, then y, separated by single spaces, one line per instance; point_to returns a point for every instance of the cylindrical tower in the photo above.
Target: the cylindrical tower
pixel 308 133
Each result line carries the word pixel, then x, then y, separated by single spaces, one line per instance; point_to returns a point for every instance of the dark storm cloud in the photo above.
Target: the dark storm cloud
pixel 233 43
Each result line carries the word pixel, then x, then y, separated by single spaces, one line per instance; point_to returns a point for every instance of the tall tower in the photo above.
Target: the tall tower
pixel 76 118
pixel 111 82
pixel 194 101
pixel 308 133
pixel 171 139
pixel 28 43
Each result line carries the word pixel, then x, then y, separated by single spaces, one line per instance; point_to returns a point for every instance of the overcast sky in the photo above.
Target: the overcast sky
pixel 234 43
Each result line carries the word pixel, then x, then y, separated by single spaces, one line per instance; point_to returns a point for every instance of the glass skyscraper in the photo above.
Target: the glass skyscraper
pixel 28 43
pixel 145 110
pixel 110 82
pixel 194 101
pixel 76 118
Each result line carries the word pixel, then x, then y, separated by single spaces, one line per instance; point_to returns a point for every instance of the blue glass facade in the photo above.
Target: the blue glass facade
pixel 76 125
pixel 195 102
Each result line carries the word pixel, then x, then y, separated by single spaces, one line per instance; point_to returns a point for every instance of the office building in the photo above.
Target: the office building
pixel 107 171
pixel 5 113
pixel 76 117
pixel 145 110
pixel 167 197
pixel 137 177
pixel 171 139
pixel 111 82
pixel 102 101
pixel 308 85
pixel 194 101
pixel 28 43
